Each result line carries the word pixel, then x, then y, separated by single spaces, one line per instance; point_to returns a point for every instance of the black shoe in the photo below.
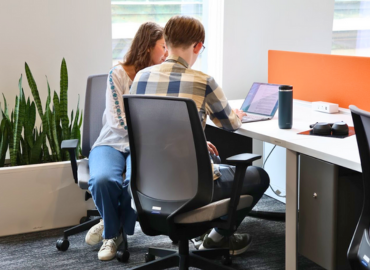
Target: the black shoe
pixel 197 241
pixel 237 243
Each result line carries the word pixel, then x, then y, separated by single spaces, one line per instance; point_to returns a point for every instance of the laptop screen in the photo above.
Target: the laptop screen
pixel 262 99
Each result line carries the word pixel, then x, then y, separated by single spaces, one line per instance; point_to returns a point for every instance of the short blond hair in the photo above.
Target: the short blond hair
pixel 183 31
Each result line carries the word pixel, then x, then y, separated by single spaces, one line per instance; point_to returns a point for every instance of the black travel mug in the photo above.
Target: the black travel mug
pixel 285 106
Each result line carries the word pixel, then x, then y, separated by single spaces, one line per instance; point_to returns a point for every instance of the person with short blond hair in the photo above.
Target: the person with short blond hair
pixel 182 31
pixel 185 38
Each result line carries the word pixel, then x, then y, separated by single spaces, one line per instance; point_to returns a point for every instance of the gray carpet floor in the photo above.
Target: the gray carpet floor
pixel 38 251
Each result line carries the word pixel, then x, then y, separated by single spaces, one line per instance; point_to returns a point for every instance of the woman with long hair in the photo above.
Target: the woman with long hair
pixel 109 158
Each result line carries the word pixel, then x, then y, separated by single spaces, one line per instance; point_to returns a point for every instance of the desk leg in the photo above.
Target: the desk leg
pixel 291 210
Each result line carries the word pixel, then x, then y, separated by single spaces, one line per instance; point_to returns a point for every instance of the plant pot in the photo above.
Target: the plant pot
pixel 39 197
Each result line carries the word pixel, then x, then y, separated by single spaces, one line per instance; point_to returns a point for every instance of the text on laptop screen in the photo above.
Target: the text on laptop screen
pixel 262 99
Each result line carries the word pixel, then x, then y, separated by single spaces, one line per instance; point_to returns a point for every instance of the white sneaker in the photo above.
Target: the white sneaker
pixel 109 248
pixel 95 234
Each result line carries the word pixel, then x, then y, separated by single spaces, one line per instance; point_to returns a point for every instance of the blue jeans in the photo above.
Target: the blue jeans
pixel 110 191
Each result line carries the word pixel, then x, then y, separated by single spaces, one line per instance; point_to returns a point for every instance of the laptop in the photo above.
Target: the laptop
pixel 261 102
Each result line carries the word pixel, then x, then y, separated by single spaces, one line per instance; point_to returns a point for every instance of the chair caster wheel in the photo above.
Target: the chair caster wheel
pixel 62 244
pixel 226 260
pixel 83 220
pixel 122 255
pixel 149 257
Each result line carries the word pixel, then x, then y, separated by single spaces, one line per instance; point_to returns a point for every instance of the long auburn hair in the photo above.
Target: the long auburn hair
pixel 144 41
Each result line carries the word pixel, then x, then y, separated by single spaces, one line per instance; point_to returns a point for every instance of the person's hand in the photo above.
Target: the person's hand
pixel 239 113
pixel 212 149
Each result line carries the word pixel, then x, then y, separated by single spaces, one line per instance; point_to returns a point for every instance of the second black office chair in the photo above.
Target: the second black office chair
pixel 359 250
pixel 172 180
pixel 92 124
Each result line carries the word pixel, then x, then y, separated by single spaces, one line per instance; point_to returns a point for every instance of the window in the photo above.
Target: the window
pixel 351 28
pixel 127 16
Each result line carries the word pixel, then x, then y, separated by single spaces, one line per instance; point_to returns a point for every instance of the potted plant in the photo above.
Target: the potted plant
pixel 38 179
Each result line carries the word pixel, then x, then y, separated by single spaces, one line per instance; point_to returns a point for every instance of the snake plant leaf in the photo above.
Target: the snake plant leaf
pixel 75 127
pixel 64 99
pixel 80 121
pixel 28 125
pixel 78 150
pixel 14 148
pixel 18 123
pixel 5 112
pixel 56 107
pixel 24 157
pixel 32 111
pixel 36 153
pixel 47 118
pixel 35 92
pixel 10 134
pixel 77 110
pixel 45 148
pixel 4 140
pixel 75 122
pixel 70 127
pixel 20 160
pixel 55 137
pixel 48 99
pixel 49 133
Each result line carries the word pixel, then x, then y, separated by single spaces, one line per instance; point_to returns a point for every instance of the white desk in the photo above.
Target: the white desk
pixel 342 152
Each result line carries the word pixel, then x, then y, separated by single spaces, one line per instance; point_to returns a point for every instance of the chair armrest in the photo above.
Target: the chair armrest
pixel 71 146
pixel 243 159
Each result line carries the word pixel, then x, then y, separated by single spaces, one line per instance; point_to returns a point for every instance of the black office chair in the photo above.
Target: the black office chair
pixel 92 124
pixel 359 250
pixel 172 180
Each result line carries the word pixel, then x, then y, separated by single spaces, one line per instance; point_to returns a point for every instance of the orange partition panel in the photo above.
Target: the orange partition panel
pixel 344 80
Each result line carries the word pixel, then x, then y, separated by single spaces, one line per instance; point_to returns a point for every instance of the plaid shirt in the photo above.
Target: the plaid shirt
pixel 174 78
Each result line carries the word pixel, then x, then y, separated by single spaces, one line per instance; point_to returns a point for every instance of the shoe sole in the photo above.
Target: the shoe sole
pixel 240 251
pixel 235 252
pixel 107 258
pixel 113 255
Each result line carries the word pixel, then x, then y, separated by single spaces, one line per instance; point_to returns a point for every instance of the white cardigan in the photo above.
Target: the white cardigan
pixel 113 132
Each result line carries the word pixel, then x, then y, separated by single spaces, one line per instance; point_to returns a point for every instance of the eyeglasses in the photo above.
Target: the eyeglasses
pixel 201 50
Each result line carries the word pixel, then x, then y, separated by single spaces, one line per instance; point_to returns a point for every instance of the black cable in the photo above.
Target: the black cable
pixel 263 166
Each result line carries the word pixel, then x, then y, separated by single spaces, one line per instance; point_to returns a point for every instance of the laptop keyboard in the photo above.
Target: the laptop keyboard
pixel 252 117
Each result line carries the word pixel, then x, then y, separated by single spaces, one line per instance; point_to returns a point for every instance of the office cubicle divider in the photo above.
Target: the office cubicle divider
pixel 337 79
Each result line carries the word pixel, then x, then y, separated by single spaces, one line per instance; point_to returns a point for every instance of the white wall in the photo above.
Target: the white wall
pixel 251 28
pixel 42 32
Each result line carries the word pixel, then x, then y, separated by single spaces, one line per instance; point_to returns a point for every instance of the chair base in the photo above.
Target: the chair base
pixel 86 224
pixel 183 258
pixel 268 215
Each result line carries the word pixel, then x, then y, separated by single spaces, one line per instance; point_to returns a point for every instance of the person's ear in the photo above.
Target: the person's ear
pixel 197 47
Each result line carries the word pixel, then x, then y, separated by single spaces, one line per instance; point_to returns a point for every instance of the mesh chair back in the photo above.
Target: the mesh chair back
pixel 361 121
pixel 170 160
pixel 94 108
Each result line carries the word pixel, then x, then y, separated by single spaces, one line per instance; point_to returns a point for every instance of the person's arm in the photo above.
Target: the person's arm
pixel 219 109
pixel 116 87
